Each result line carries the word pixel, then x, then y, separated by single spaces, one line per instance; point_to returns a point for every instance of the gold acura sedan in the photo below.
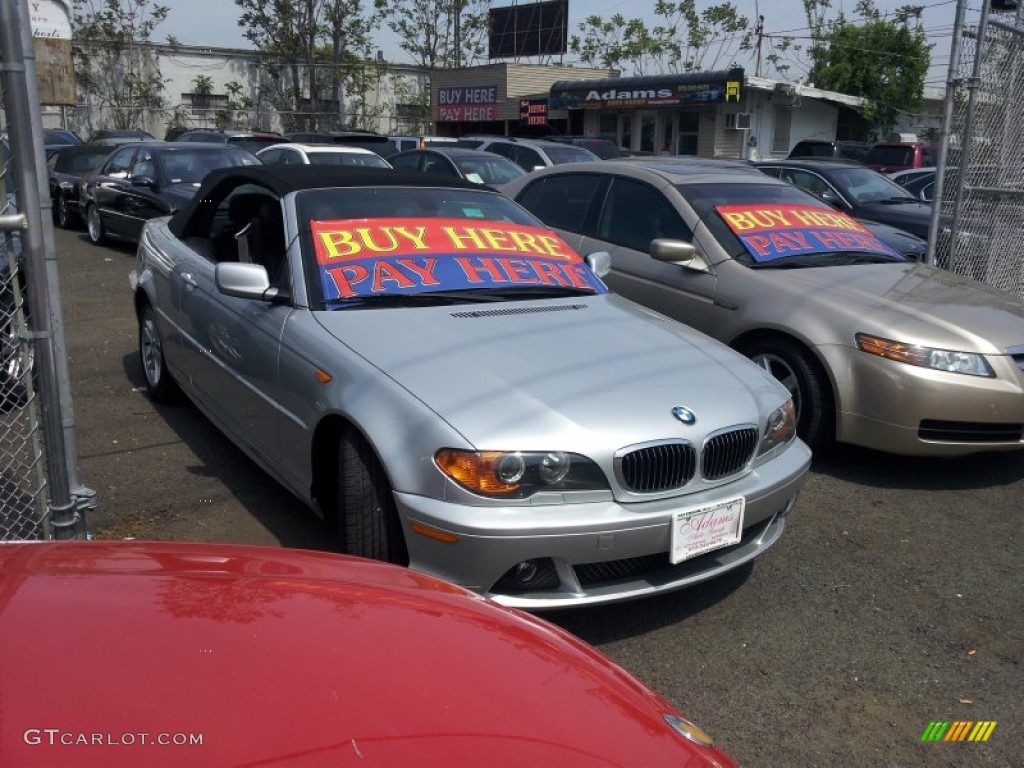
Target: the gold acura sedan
pixel 877 350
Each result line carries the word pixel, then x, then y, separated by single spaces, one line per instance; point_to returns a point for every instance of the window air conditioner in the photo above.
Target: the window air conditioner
pixel 739 121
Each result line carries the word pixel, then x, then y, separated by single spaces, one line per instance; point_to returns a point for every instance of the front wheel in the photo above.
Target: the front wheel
pixel 97 234
pixel 800 374
pixel 159 382
pixel 367 519
pixel 65 218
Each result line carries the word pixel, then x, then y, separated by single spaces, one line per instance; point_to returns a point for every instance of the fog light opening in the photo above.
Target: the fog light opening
pixel 534 575
pixel 526 572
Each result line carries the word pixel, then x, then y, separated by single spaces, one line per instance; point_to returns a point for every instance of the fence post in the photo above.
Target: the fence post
pixel 17 70
pixel 952 79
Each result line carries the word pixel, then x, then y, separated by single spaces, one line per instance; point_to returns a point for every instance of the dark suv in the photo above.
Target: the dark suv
pixel 848 150
pixel 253 141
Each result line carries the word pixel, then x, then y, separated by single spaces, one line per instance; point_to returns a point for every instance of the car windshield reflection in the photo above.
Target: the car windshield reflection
pixel 190 166
pixel 768 226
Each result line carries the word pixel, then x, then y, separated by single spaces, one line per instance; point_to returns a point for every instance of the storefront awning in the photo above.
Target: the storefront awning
pixel 652 91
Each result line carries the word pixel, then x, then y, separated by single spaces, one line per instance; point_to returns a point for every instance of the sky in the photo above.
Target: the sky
pixel 215 23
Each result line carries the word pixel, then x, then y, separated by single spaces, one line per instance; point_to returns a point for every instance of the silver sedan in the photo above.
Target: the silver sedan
pixel 442 377
pixel 877 350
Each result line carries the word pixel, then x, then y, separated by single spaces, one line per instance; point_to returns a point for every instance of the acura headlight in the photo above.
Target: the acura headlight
pixel 780 429
pixel 520 474
pixel 969 363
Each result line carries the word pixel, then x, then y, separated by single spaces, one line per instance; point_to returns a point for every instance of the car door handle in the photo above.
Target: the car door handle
pixel 188 279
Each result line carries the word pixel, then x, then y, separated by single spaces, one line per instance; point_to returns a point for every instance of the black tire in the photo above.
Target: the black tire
pixel 159 382
pixel 801 375
pixel 65 216
pixel 367 519
pixel 94 223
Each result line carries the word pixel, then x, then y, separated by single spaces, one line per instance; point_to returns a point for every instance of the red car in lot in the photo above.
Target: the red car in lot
pixel 171 654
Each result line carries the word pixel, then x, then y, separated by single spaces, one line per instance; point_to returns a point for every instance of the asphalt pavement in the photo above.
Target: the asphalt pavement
pixel 894 599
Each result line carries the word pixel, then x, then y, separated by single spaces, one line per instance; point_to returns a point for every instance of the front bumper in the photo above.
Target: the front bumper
pixel 913 411
pixel 601 552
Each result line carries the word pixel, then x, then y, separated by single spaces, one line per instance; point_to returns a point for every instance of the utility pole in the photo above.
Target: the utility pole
pixel 759 33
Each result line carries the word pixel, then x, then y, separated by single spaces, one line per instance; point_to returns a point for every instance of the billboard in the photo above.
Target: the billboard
pixel 534 29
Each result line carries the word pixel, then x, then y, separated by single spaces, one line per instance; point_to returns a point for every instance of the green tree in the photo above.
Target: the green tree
pixel 319 48
pixel 682 39
pixel 882 59
pixel 234 114
pixel 115 64
pixel 441 33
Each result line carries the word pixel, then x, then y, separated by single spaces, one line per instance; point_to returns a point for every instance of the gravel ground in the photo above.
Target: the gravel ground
pixel 894 598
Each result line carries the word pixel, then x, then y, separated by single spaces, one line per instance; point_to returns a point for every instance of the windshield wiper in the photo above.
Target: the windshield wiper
pixel 517 292
pixel 422 299
pixel 831 259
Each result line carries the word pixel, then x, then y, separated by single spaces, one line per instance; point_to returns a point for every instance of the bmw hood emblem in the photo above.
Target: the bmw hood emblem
pixel 684 415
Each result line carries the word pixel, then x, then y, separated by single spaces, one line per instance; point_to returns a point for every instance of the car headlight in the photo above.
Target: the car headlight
pixel 969 363
pixel 780 429
pixel 520 474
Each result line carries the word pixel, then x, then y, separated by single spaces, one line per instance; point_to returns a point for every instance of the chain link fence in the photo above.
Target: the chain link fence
pixel 981 209
pixel 23 499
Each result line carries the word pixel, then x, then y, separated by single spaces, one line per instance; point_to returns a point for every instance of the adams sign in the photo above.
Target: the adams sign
pixel 657 91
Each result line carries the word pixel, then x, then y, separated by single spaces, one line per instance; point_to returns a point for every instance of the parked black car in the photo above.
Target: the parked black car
pixel 850 150
pixel 253 141
pixel 143 181
pixel 855 189
pixel 114 136
pixel 68 166
pixel 458 163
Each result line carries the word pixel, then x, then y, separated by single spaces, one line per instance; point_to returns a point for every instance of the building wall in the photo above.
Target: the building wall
pixel 387 102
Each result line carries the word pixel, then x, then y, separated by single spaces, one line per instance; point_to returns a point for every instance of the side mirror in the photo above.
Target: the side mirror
pixel 830 197
pixel 143 181
pixel 244 281
pixel 677 252
pixel 600 262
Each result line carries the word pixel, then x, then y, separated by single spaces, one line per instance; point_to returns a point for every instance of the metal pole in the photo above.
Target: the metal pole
pixel 952 81
pixel 17 69
pixel 965 153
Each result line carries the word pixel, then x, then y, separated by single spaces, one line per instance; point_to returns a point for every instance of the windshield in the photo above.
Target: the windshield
pixel 560 154
pixel 82 161
pixel 368 160
pixel 862 185
pixel 420 243
pixel 780 225
pixel 488 170
pixel 186 166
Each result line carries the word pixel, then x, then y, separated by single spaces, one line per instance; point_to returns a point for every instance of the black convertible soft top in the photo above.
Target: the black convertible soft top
pixel 282 179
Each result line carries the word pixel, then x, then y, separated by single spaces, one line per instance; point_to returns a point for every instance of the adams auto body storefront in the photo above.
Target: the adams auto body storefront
pixel 697 113
pixel 684 114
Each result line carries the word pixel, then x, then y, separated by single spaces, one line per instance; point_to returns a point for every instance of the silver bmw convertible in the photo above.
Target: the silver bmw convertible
pixel 438 373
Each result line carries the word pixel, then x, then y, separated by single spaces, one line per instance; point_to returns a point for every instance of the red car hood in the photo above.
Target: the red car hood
pixel 284 657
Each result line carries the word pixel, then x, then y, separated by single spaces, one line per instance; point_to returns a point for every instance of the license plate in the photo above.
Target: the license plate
pixel 696 531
